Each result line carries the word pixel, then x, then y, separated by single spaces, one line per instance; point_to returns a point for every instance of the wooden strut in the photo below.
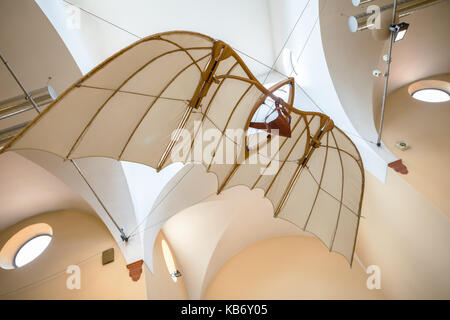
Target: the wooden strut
pixel 220 51
pixel 118 89
pixel 205 113
pixel 324 128
pixel 153 103
pixel 342 193
pixel 226 126
pixel 266 93
pixel 281 147
pixel 305 129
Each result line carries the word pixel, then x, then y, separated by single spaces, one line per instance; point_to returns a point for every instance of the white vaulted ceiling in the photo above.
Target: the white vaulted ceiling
pixel 32 47
pixel 258 30
pixel 26 190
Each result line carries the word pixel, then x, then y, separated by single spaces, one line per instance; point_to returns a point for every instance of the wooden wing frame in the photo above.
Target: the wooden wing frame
pixel 135 105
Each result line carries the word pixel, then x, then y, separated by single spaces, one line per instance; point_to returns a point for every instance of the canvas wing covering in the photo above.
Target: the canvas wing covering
pixel 155 102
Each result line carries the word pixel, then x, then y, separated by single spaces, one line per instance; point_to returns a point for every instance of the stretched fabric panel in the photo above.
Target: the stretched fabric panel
pixel 185 97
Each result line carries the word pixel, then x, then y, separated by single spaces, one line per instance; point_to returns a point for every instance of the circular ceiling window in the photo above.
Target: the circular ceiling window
pixel 433 91
pixel 31 250
pixel 431 95
pixel 25 246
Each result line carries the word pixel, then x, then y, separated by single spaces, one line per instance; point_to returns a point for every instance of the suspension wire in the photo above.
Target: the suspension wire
pixel 164 219
pixel 281 51
pixel 104 20
pixel 30 98
pixel 306 42
pixel 260 62
pixel 271 68
pixel 122 234
pixel 286 42
pixel 27 94
pixel 133 233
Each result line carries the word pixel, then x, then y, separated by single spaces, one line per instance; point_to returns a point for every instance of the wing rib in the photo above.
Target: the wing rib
pixel 77 141
pixel 153 103
pixel 342 192
pixel 228 121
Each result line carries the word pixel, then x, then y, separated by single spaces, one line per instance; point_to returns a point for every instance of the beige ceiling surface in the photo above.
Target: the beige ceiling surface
pixel 352 57
pixel 34 50
pixel 425 50
pixel 26 190
pixel 205 236
pixel 425 127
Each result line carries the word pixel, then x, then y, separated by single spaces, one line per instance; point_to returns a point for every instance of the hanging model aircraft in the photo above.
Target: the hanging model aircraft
pixel 152 102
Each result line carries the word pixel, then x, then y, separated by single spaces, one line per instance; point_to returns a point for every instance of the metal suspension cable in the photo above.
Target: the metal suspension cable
pixel 271 68
pixel 104 20
pixel 281 50
pixel 287 40
pixel 30 98
pixel 133 233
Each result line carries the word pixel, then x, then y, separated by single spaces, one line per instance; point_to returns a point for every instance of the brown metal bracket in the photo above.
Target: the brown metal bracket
pixel 135 270
pixel 398 166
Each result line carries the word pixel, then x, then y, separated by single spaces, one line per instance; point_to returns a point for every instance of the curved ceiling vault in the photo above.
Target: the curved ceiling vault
pixel 205 236
pixel 259 33
pixel 27 189
pixel 351 58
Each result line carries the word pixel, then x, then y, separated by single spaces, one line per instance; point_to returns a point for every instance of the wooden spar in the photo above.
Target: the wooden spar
pixel 314 145
pixel 220 51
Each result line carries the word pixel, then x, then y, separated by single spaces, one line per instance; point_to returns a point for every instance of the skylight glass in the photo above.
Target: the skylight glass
pixel 431 95
pixel 31 250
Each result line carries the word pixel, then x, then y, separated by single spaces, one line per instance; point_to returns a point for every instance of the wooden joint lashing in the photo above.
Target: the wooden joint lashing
pixel 220 51
pixel 315 143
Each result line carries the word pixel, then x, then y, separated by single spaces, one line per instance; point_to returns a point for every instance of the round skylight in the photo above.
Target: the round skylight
pixel 25 246
pixel 431 95
pixel 31 250
pixel 433 91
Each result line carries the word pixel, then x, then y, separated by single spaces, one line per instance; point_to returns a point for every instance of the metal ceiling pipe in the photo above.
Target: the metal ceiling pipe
pixel 9 133
pixel 363 20
pixel 13 74
pixel 16 105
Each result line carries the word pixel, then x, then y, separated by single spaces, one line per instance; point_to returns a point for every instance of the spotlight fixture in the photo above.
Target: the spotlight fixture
pixel 399 30
pixel 402 145
pixel 175 274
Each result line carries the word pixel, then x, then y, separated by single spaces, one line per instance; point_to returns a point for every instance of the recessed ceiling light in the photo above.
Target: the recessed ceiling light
pixel 433 91
pixel 31 250
pixel 431 95
pixel 25 246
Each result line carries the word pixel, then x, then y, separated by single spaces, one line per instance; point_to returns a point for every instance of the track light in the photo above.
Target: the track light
pixel 399 30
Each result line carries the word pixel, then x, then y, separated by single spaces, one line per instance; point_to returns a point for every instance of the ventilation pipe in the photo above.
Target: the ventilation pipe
pixel 16 105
